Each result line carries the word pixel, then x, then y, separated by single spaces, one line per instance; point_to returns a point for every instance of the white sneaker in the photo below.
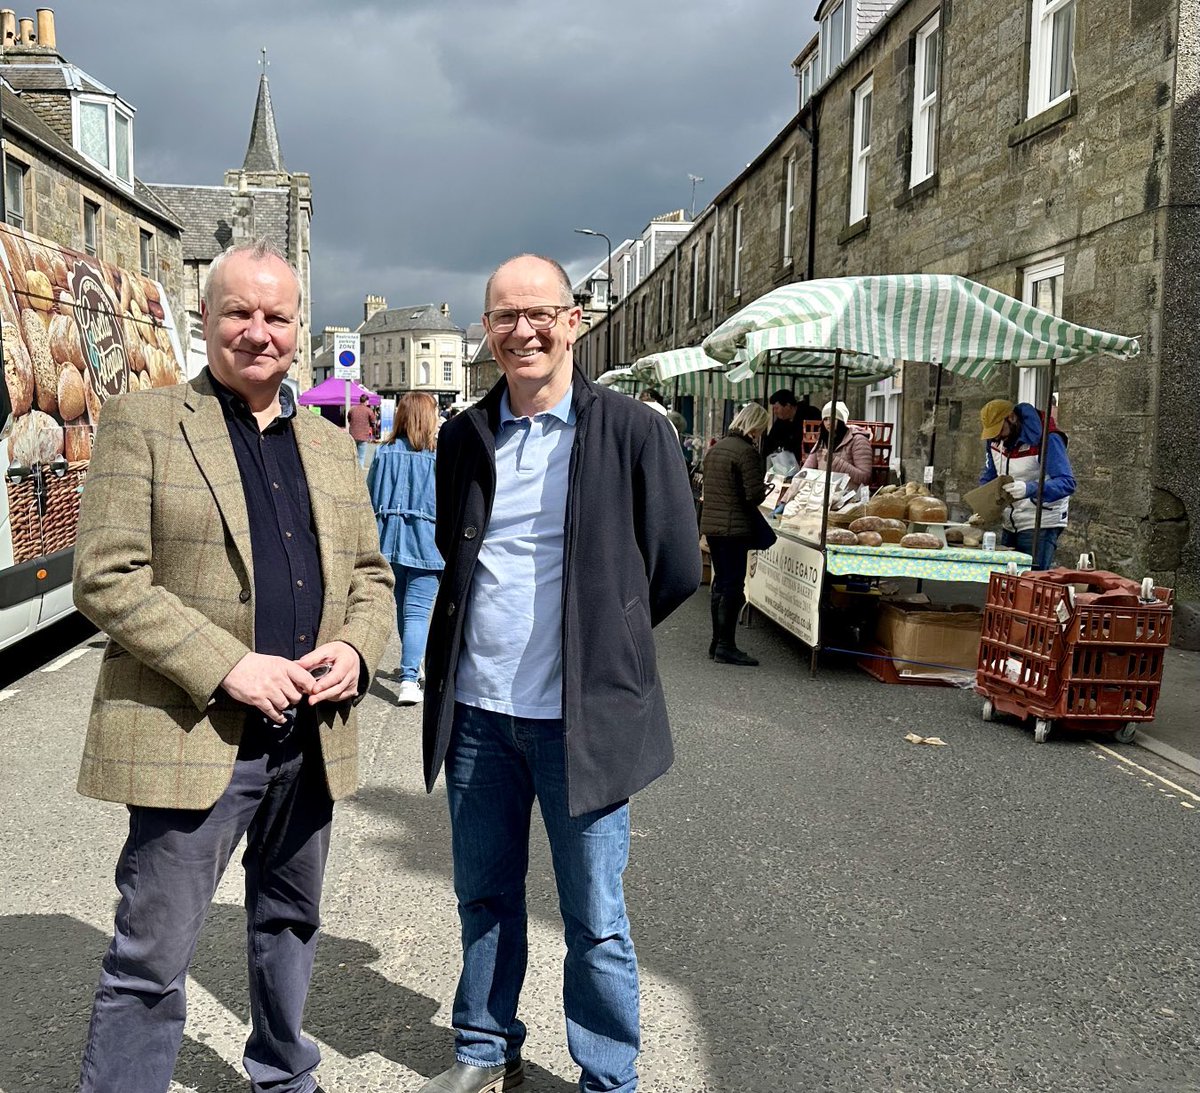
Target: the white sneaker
pixel 410 693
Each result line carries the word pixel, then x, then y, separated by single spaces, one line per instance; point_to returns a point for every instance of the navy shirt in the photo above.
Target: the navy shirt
pixel 283 541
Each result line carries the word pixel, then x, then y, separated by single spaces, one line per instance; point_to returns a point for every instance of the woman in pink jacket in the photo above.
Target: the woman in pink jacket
pixel 851 445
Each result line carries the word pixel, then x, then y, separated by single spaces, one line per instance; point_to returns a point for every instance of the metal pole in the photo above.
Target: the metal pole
pixel 1037 517
pixel 937 398
pixel 837 367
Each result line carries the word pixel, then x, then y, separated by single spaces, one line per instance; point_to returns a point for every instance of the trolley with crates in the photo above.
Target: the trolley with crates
pixel 1077 650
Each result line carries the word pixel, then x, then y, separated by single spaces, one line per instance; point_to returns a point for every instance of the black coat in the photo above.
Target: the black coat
pixel 734 487
pixel 632 556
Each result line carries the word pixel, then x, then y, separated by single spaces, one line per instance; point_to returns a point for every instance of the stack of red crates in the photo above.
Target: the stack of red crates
pixel 1092 660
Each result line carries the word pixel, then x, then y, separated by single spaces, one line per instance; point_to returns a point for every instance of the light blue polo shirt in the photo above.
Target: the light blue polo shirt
pixel 512 637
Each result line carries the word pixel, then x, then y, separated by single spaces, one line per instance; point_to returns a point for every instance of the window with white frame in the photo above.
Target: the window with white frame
pixel 885 402
pixel 694 295
pixel 1043 289
pixel 1051 53
pixel 104 133
pixel 662 305
pixel 600 291
pixel 860 152
pixel 626 275
pixel 639 261
pixel 735 280
pixel 834 35
pixel 807 81
pixel 447 371
pixel 146 251
pixel 926 76
pixel 710 265
pixel 91 227
pixel 789 209
pixel 15 174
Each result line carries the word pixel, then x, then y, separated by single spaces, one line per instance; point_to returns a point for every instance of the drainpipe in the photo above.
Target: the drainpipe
pixel 810 247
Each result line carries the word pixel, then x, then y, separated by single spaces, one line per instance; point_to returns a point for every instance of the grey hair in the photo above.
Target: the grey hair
pixel 566 296
pixel 259 249
pixel 751 418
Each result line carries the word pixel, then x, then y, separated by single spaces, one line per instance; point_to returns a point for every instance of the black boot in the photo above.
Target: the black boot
pixel 714 606
pixel 727 651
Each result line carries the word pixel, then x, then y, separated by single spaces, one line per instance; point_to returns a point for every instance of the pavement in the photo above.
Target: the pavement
pixel 1174 733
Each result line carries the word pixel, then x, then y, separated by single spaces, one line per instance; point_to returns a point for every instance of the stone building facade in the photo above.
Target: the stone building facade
pixel 415 348
pixel 1078 195
pixel 53 187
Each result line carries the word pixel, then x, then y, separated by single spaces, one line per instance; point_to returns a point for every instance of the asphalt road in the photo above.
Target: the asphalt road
pixel 818 905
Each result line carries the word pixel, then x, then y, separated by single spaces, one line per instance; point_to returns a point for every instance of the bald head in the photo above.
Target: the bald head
pixel 526 263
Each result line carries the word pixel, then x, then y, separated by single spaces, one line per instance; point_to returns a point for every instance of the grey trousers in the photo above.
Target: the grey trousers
pixel 167 874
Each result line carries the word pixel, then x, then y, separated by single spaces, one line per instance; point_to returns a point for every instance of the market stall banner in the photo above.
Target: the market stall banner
pixel 944 319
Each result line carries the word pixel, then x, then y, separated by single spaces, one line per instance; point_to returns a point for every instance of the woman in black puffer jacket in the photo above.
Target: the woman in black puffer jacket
pixel 734 487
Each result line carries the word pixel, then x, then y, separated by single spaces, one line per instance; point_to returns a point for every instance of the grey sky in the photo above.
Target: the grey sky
pixel 444 136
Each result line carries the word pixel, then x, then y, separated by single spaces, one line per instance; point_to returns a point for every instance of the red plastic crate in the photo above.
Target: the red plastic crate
pixel 1099 660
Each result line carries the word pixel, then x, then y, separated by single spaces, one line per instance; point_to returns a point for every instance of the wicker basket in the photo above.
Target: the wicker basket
pixel 35 536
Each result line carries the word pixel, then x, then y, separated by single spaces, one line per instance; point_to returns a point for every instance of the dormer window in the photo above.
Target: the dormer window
pixel 104 134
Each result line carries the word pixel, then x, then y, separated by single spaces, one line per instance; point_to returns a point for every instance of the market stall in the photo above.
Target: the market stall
pixel 947 321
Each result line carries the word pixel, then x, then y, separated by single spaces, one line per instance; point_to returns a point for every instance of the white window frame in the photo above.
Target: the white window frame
pixel 114 111
pixel 626 274
pixel 95 246
pixel 710 247
pixel 735 286
pixel 1033 380
pixel 447 371
pixel 925 99
pixel 1041 54
pixel 860 151
pixel 832 58
pixel 147 241
pixel 789 208
pixel 885 402
pixel 694 300
pixel 808 81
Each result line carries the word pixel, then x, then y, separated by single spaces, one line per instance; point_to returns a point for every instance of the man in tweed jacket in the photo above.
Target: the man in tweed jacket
pixel 227 545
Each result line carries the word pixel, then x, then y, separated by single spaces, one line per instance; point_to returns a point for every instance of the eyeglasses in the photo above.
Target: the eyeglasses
pixel 504 320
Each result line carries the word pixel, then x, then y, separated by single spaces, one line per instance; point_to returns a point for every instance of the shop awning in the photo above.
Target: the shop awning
pixel 943 319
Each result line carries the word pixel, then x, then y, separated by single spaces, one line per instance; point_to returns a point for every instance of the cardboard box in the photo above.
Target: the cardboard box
pixel 932 634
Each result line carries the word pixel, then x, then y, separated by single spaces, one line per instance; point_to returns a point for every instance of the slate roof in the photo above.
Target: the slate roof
pixel 417 317
pixel 262 153
pixel 206 213
pixel 20 118
pixel 53 76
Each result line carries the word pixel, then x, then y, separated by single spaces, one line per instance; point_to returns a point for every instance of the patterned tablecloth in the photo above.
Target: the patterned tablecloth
pixel 947 564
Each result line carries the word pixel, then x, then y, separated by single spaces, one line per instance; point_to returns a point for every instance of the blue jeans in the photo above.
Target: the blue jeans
pixel 416 590
pixel 167 874
pixel 361 447
pixel 1023 541
pixel 497 764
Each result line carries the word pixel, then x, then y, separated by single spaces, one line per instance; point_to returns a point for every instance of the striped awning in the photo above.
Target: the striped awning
pixel 620 379
pixel 959 324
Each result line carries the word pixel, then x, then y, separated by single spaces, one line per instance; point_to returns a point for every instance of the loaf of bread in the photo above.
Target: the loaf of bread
pixel 870 538
pixel 921 540
pixel 954 536
pixel 927 510
pixel 841 537
pixel 889 506
pixel 866 523
pixel 892 531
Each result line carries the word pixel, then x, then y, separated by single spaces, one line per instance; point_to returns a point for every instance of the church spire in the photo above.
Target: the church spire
pixel 263 154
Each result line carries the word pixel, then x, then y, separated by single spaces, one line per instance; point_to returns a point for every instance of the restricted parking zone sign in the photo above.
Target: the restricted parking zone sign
pixel 346 364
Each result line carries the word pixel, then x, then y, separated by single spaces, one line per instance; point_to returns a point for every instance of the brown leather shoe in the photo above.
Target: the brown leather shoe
pixel 464 1078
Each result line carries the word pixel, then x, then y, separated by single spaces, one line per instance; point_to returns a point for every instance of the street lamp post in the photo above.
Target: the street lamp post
pixel 608 361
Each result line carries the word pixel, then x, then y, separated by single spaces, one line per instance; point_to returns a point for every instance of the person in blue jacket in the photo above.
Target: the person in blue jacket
pixel 403 491
pixel 1014 447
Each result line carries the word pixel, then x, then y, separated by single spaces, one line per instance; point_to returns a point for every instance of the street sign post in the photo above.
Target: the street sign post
pixel 346 365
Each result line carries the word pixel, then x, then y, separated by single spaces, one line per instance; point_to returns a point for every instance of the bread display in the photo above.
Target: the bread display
pixel 867 523
pixel 927 510
pixel 892 531
pixel 841 537
pixel 891 506
pixel 18 371
pixel 45 371
pixel 870 539
pixel 921 540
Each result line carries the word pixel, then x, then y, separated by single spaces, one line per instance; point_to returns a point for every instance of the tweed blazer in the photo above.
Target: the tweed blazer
pixel 163 564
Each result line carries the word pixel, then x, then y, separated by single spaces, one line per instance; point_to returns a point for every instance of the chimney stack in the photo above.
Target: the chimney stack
pixel 8 27
pixel 372 305
pixel 445 311
pixel 45 27
pixel 26 36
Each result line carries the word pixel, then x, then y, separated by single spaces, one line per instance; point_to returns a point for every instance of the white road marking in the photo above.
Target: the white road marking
pixel 7 694
pixel 1129 762
pixel 66 659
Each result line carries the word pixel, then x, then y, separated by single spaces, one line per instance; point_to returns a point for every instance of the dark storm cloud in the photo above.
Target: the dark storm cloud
pixel 442 137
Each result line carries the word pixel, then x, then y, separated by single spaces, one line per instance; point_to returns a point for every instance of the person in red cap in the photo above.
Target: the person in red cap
pixel 1014 447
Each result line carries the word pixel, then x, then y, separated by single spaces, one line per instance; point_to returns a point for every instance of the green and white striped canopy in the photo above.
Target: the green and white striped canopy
pixel 965 327
pixel 620 379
